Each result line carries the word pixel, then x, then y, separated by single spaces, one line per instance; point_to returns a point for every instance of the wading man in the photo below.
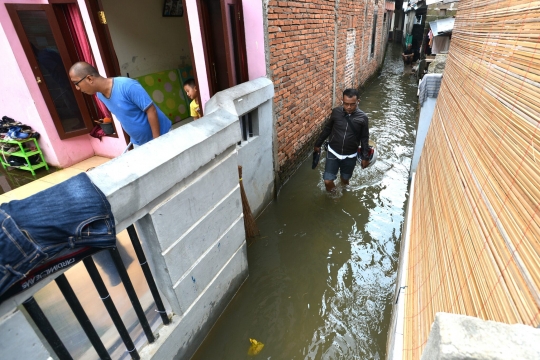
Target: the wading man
pixel 125 98
pixel 348 129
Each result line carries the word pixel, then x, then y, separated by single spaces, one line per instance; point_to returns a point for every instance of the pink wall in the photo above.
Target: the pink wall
pixel 254 30
pixel 198 52
pixel 21 99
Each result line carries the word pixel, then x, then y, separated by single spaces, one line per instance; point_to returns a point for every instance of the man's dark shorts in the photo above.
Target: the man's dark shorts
pixel 333 164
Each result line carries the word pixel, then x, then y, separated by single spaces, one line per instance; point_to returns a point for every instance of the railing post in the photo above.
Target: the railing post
pixel 130 290
pixel 147 273
pixel 46 328
pixel 111 308
pixel 80 314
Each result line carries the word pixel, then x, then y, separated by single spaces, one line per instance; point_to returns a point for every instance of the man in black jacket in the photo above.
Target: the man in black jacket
pixel 344 140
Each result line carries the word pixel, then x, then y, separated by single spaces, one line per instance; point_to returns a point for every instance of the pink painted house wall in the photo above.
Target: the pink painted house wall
pixel 254 33
pixel 254 30
pixel 21 98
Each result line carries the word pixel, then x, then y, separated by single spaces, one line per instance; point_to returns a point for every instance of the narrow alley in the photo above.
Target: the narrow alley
pixel 322 274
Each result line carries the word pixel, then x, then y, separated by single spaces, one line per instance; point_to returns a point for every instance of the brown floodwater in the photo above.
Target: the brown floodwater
pixel 322 274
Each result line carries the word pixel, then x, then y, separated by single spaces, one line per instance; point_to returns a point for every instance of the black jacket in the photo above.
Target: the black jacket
pixel 343 139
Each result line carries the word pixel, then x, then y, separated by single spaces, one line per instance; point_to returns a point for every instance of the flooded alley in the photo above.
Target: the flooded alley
pixel 322 274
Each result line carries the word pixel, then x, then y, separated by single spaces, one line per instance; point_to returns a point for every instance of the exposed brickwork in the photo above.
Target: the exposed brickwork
pixel 301 38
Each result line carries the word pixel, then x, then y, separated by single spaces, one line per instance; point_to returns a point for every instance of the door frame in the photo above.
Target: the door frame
pixel 203 19
pixel 103 38
pixel 238 54
pixel 227 38
pixel 37 74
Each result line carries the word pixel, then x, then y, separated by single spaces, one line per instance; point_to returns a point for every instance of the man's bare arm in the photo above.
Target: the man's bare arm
pixel 153 120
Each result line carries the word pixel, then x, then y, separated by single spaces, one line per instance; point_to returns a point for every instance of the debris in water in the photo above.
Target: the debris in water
pixel 255 347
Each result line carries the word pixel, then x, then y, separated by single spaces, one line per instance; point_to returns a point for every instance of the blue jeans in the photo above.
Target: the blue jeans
pixel 333 165
pixel 72 214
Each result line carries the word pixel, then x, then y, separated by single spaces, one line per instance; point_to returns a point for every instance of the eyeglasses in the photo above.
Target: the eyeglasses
pixel 78 82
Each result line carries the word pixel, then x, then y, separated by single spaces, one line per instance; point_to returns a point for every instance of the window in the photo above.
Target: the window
pixel 249 125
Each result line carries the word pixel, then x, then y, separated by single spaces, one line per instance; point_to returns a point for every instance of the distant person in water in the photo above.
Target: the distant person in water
pixel 348 129
pixel 408 55
pixel 126 99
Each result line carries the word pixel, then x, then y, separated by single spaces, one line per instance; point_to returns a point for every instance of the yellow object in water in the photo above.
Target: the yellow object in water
pixel 255 348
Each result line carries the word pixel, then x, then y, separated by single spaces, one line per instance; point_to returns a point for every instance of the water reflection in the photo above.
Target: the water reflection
pixel 322 274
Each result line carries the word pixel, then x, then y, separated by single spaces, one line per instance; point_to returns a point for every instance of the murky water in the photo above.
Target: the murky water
pixel 322 274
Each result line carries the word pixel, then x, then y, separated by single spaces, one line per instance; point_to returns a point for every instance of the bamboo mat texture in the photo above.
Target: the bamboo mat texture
pixel 475 228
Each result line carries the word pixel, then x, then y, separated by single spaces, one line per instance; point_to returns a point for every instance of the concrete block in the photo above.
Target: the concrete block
pixel 19 340
pixel 454 337
pixel 197 278
pixel 130 181
pixel 255 155
pixel 242 98
pixel 181 339
pixel 178 213
pixel 190 246
pixel 256 158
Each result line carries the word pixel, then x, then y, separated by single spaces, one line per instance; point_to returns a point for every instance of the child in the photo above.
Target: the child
pixel 192 92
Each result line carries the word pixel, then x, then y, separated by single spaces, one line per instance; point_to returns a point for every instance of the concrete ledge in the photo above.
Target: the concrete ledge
pixel 19 341
pixel 196 242
pixel 242 98
pixel 197 278
pixel 182 337
pixel 130 181
pixel 454 337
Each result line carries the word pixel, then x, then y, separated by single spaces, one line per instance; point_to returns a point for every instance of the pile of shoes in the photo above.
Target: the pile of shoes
pixel 17 161
pixel 15 130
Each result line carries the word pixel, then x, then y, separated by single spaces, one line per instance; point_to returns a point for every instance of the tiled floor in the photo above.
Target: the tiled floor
pixel 52 179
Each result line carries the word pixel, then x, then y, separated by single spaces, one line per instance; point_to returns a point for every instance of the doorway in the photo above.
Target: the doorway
pixel 50 50
pixel 224 40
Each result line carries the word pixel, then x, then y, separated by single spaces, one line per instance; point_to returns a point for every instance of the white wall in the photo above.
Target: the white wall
pixel 426 113
pixel 144 41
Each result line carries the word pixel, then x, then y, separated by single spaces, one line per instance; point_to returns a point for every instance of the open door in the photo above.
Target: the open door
pixel 42 40
pixel 225 49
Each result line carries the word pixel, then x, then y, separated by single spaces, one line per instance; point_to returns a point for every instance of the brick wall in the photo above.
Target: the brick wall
pixel 301 42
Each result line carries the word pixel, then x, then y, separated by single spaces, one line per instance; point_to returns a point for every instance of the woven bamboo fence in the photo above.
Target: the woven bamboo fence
pixel 475 228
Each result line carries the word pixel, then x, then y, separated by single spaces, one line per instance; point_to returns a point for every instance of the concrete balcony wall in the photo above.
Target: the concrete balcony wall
pixel 182 192
pixel 256 154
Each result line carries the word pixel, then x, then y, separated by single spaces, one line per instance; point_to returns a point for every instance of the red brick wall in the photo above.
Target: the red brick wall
pixel 301 38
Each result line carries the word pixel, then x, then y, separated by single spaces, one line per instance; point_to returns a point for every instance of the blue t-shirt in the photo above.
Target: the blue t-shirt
pixel 129 102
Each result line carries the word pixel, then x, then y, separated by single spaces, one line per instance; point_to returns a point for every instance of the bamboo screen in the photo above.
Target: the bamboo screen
pixel 475 228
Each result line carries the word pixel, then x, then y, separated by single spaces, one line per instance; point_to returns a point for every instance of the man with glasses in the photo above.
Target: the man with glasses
pixel 347 128
pixel 126 99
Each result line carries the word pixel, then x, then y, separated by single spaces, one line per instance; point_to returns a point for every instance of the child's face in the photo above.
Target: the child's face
pixel 191 91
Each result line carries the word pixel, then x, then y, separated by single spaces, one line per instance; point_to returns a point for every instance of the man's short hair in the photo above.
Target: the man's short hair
pixel 350 93
pixel 83 69
pixel 190 82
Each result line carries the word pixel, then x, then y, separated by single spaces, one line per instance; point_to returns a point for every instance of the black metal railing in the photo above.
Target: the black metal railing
pixel 63 284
